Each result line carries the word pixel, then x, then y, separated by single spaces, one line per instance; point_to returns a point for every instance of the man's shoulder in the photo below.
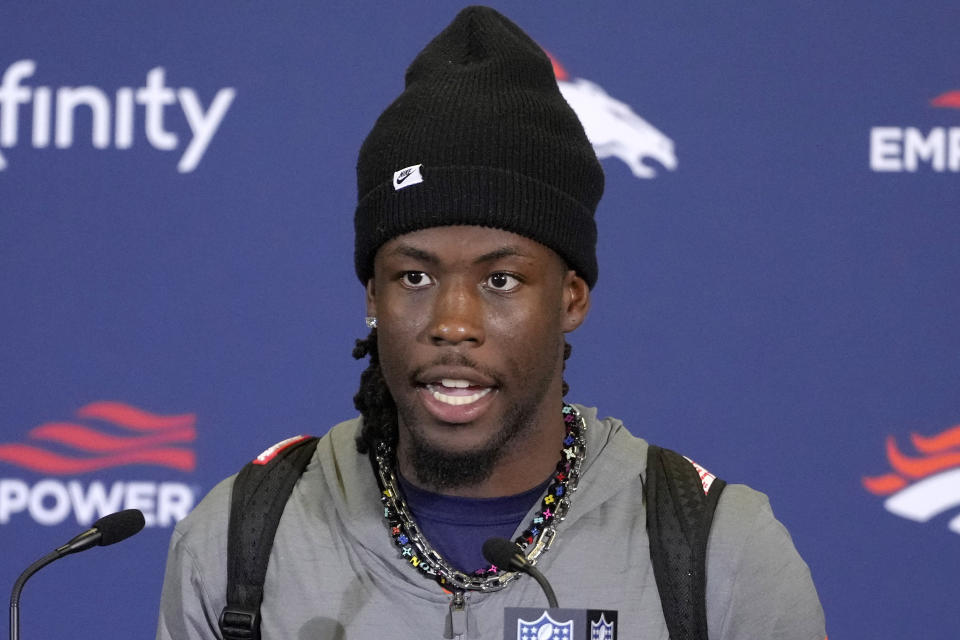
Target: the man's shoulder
pixel 608 437
pixel 623 453
pixel 342 437
pixel 209 519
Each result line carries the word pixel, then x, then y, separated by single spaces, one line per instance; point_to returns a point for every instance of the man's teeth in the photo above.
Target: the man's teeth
pixel 451 383
pixel 457 400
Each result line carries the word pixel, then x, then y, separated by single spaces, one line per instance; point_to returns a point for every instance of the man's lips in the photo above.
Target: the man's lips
pixel 454 394
pixel 457 392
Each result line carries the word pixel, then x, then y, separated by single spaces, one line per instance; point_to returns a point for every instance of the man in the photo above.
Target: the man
pixel 475 241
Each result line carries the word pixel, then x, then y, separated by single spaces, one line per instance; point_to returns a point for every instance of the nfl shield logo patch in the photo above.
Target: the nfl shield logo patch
pixel 544 628
pixel 601 629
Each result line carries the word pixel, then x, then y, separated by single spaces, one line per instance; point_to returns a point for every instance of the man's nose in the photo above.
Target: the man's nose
pixel 457 315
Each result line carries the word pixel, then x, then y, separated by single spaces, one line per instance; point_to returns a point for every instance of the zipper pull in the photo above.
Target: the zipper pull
pixel 456 626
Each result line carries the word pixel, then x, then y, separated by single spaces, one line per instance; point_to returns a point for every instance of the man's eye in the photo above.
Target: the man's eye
pixel 415 279
pixel 502 282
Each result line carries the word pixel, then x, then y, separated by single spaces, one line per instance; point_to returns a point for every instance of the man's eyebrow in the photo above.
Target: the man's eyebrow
pixel 503 252
pixel 415 253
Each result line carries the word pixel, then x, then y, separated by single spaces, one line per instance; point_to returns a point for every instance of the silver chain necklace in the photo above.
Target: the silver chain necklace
pixel 534 540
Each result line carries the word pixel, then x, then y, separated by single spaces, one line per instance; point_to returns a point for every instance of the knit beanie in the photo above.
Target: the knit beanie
pixel 480 136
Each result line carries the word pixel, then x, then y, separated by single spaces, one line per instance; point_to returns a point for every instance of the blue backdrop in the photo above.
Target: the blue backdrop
pixel 780 250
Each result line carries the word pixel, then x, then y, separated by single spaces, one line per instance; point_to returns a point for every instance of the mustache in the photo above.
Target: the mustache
pixel 456 360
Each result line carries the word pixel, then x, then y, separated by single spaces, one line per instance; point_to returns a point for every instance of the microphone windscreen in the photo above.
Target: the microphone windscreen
pixel 119 526
pixel 502 553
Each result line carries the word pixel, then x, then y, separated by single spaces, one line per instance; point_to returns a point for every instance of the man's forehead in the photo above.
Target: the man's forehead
pixel 478 242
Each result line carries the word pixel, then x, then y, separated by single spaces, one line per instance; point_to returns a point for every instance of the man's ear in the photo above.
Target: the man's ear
pixel 576 301
pixel 371 298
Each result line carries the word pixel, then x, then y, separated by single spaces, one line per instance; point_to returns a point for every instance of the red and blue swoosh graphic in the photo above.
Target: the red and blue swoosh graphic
pixel 106 434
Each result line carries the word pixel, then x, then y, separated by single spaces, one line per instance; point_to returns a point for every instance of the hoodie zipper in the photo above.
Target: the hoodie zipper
pixel 456 626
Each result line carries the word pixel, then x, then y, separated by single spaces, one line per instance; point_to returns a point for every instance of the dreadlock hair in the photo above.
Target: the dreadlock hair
pixel 373 399
pixel 376 405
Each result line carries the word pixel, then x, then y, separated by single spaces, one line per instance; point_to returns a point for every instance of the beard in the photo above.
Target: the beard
pixel 441 470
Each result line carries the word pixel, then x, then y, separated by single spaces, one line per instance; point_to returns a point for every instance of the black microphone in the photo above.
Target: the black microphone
pixel 503 553
pixel 107 530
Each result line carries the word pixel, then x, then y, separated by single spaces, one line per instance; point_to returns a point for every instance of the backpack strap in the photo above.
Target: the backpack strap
pixel 681 498
pixel 260 493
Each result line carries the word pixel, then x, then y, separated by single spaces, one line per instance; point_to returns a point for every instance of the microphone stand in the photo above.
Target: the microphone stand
pixel 534 573
pixel 107 530
pixel 18 587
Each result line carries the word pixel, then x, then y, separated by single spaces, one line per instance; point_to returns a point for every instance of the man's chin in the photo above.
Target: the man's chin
pixel 446 456
pixel 441 470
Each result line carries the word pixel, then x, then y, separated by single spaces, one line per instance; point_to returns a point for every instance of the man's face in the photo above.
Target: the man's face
pixel 470 324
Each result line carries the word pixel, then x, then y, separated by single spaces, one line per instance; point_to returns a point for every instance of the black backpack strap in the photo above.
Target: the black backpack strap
pixel 260 493
pixel 679 515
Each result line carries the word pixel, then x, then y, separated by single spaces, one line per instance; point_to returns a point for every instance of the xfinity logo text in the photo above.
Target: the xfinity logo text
pixel 113 119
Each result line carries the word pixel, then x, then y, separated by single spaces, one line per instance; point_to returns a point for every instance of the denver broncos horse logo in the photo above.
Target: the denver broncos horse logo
pixel 922 486
pixel 613 128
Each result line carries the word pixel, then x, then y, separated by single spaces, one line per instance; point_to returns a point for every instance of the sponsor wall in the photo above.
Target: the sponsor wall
pixel 778 272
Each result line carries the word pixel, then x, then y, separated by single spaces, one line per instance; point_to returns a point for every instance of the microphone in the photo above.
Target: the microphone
pixel 528 622
pixel 503 553
pixel 109 529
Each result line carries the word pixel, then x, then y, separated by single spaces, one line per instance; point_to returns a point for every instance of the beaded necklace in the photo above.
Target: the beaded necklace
pixel 533 541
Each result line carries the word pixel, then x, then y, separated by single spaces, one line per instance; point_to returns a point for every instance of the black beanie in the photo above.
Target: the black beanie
pixel 480 136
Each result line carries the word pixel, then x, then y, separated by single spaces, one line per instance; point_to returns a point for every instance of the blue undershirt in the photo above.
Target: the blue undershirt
pixel 457 527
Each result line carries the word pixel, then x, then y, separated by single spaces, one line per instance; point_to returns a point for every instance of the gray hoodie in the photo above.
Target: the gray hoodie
pixel 335 573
